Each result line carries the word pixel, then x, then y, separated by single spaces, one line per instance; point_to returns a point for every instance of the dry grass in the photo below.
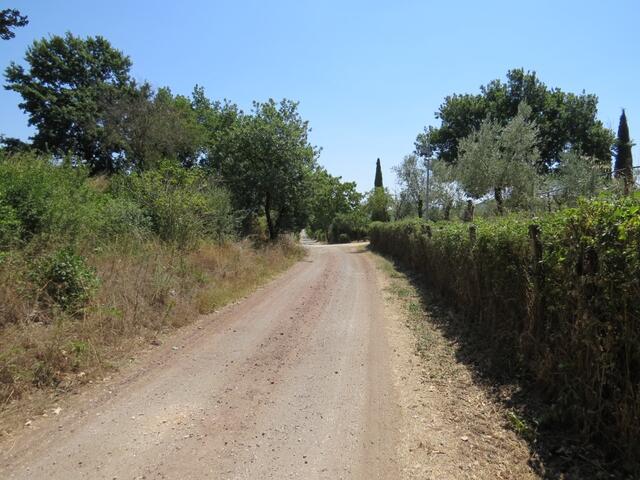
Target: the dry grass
pixel 146 289
pixel 456 428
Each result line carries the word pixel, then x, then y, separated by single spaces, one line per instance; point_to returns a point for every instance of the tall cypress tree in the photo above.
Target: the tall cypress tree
pixel 378 181
pixel 624 161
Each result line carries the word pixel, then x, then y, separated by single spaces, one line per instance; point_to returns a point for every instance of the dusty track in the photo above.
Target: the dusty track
pixel 293 382
pixel 315 376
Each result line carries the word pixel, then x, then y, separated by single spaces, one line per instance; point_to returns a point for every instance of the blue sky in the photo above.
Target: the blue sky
pixel 369 75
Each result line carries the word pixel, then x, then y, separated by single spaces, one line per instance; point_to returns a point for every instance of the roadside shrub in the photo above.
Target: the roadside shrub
pixel 10 227
pixel 67 279
pixel 355 225
pixel 556 296
pixel 40 199
pixel 43 197
pixel 182 205
pixel 117 217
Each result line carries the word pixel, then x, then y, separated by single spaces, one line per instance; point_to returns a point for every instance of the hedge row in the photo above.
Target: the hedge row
pixel 557 296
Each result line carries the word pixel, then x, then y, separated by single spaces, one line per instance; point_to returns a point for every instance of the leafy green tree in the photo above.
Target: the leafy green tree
pixel 565 120
pixel 353 225
pixel 68 82
pixel 145 127
pixel 330 197
pixel 402 206
pixel 578 176
pixel 377 183
pixel 624 161
pixel 378 203
pixel 217 120
pixel 496 158
pixel 412 176
pixel 379 200
pixel 269 165
pixel 11 18
pixel 446 192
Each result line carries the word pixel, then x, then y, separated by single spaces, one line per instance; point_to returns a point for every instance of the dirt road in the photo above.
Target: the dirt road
pixel 293 382
pixel 315 376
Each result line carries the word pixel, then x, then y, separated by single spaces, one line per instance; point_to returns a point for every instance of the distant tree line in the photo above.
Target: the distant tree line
pixel 87 110
pixel 519 143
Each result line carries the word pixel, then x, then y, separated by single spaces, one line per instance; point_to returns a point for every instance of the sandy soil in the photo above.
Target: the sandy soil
pixel 314 376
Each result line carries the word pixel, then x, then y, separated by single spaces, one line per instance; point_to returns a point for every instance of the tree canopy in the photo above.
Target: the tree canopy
pixel 330 197
pixel 269 164
pixel 64 90
pixel 565 121
pixel 11 18
pixel 495 158
pixel 412 176
pixel 143 127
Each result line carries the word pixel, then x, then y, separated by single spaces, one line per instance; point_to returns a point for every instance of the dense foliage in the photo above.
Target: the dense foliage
pixel 565 120
pixel 43 202
pixel 65 90
pixel 11 18
pixel 58 203
pixel 86 108
pixel 331 198
pixel 556 296
pixel 377 181
pixel 269 165
pixel 182 205
pixel 495 158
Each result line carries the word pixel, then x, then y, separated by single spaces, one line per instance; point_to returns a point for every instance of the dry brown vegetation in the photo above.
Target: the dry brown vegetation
pixel 457 428
pixel 146 289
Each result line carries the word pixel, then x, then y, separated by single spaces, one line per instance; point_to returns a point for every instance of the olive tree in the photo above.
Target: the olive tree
pixel 496 159
pixel 412 176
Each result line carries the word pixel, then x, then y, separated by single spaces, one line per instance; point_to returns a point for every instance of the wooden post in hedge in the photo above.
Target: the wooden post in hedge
pixel 468 213
pixel 473 234
pixel 536 244
pixel 536 315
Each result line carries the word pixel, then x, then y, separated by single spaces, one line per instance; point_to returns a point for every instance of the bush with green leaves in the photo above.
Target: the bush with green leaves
pixel 555 296
pixel 41 199
pixel 183 205
pixel 45 198
pixel 66 278
pixel 350 226
pixel 10 227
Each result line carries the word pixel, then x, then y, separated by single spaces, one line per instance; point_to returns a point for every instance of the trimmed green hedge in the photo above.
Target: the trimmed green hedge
pixel 558 296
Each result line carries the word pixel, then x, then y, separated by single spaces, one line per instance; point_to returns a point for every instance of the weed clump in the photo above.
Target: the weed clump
pixel 67 279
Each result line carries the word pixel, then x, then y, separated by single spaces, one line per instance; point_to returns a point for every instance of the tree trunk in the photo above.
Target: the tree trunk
pixel 419 208
pixel 628 181
pixel 447 209
pixel 279 221
pixel 267 212
pixel 469 212
pixel 497 193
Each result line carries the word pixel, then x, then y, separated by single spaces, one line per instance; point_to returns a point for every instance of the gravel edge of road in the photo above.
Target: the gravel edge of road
pixel 452 428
